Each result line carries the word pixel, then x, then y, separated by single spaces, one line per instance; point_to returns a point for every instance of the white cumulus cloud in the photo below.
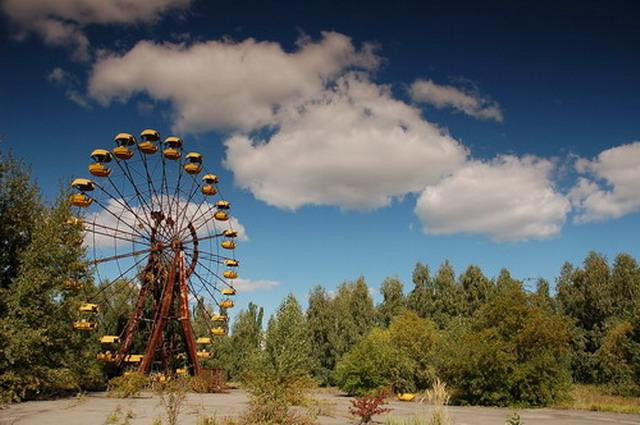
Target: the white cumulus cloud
pixel 225 84
pixel 354 146
pixel 508 199
pixel 248 285
pixel 61 22
pixel 609 187
pixel 445 96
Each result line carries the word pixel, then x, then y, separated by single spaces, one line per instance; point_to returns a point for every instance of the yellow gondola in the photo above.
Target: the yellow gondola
pixel 231 263
pixel 89 308
pixel 226 304
pixel 194 163
pixel 230 233
pixel 133 358
pixel 230 274
pixel 83 185
pixel 219 318
pixel 80 200
pixel 123 141
pixel 228 244
pixel 182 372
pixel 172 148
pixel 85 325
pixel 209 190
pixel 109 339
pixel 229 292
pixel 72 221
pixel 149 141
pixel 223 205
pixel 210 179
pixel 100 157
pixel 221 216
pixel 203 340
pixel 218 331
pixel 203 354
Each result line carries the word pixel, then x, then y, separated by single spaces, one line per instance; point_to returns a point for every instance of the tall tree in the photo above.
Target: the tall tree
pixel 42 355
pixel 476 288
pixel 625 286
pixel 418 299
pixel 355 316
pixel 246 339
pixel 287 342
pixel 321 323
pixel 446 300
pixel 21 209
pixel 393 300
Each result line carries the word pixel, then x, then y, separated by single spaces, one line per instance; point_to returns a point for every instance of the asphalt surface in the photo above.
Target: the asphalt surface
pixel 96 408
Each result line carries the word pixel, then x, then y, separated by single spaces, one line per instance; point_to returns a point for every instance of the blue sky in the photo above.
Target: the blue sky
pixel 353 140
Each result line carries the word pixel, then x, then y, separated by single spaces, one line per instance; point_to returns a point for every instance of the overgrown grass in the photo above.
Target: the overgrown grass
pixel 591 397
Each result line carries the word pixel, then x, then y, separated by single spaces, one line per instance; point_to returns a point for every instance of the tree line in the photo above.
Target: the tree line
pixel 489 339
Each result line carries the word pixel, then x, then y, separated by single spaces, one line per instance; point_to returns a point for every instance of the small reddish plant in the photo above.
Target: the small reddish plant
pixel 368 406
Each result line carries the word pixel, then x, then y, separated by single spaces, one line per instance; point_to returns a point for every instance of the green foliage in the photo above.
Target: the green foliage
pixel 320 323
pixel 393 300
pixel 243 346
pixel 512 352
pixel 128 385
pixel 619 358
pixel 42 355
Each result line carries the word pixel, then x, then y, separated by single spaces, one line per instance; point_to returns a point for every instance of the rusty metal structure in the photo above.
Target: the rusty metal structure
pixel 162 244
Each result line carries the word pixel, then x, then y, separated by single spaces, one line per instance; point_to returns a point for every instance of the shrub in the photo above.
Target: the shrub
pixel 512 352
pixel 373 363
pixel 367 406
pixel 129 385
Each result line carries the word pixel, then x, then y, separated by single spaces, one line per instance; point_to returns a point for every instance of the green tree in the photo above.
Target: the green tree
pixel 513 352
pixel 625 286
pixel 42 355
pixel 393 300
pixel 418 299
pixel 21 209
pixel 476 289
pixel 287 342
pixel 585 295
pixel 355 315
pixel 321 321
pixel 245 341
pixel 446 300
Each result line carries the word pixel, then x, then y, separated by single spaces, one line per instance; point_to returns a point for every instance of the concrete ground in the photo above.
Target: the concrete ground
pixel 96 408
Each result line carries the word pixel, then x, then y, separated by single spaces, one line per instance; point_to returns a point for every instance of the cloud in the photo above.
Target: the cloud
pixel 247 285
pixel 61 22
pixel 354 146
pixel 508 199
pixel 225 84
pixel 129 217
pixel 466 101
pixel 609 186
pixel 62 78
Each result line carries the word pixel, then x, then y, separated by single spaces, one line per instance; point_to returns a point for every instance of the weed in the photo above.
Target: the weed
pixel 129 385
pixel 514 420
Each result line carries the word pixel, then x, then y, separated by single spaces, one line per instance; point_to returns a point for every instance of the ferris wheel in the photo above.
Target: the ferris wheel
pixel 161 240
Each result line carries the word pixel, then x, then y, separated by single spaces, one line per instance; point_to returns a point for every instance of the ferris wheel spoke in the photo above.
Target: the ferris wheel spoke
pixel 117 217
pixel 195 186
pixel 213 273
pixel 111 235
pixel 120 232
pixel 121 256
pixel 122 201
pixel 120 276
pixel 152 188
pixel 142 202
pixel 206 285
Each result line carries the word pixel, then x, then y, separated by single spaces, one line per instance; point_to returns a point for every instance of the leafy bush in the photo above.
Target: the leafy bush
pixel 129 385
pixel 512 352
pixel 368 406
